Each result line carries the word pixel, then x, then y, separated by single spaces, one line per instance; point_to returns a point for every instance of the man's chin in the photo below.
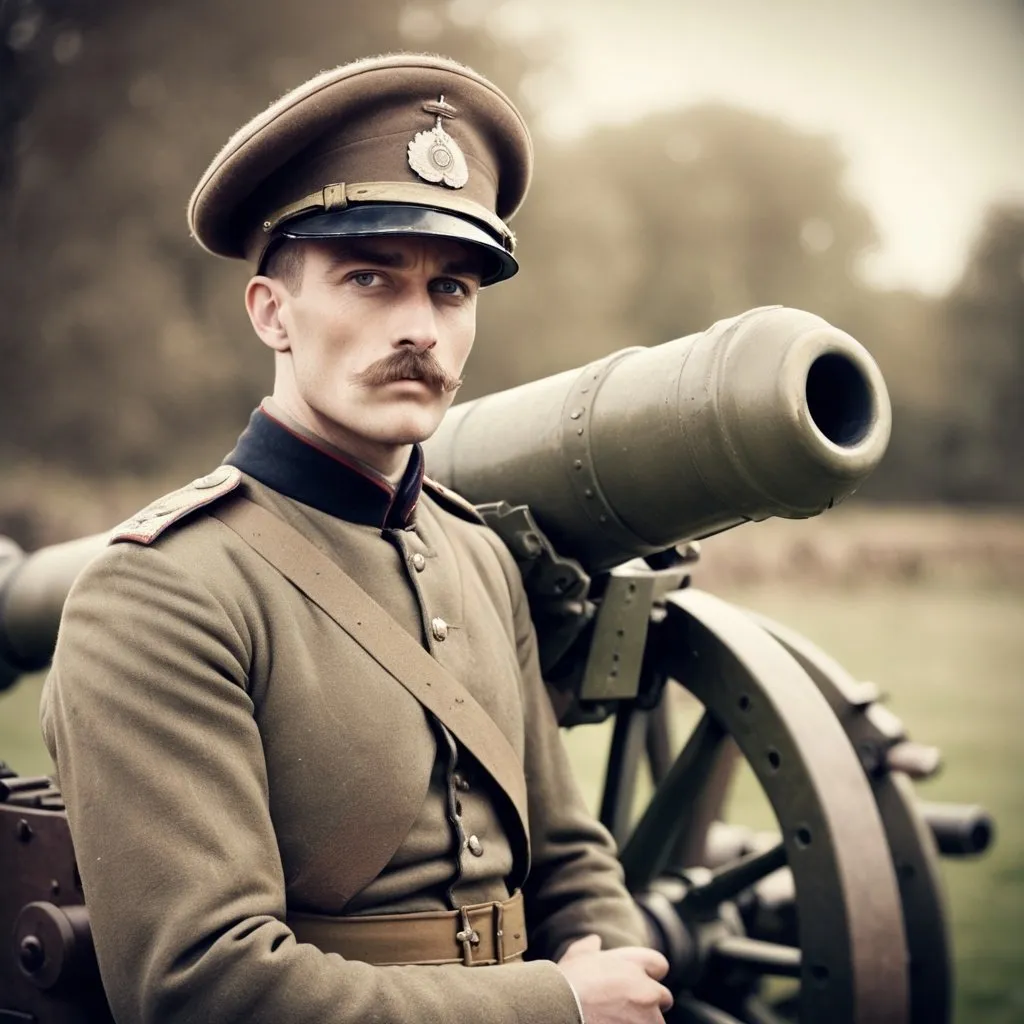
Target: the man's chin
pixel 415 432
pixel 412 425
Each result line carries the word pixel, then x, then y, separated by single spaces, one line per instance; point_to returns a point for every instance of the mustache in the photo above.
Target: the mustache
pixel 405 364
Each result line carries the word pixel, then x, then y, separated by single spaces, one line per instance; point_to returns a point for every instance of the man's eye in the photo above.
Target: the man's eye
pixel 449 286
pixel 365 278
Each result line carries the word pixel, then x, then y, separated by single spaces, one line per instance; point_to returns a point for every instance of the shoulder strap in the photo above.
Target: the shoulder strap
pixel 144 527
pixel 393 648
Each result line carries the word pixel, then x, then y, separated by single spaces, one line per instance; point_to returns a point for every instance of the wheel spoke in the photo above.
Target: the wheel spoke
pixel 761 957
pixel 620 779
pixel 673 806
pixel 694 1011
pixel 692 845
pixel 659 740
pixel 730 880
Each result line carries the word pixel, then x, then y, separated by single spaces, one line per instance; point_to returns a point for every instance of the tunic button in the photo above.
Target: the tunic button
pixel 475 846
pixel 419 563
pixel 460 783
pixel 439 628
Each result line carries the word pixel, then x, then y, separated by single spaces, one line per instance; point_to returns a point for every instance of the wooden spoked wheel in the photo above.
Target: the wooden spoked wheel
pixel 850 954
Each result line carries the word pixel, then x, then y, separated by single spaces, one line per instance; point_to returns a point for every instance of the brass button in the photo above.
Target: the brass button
pixel 475 846
pixel 419 563
pixel 439 628
pixel 460 783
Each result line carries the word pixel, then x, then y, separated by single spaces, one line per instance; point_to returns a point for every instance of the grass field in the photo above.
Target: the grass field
pixel 950 659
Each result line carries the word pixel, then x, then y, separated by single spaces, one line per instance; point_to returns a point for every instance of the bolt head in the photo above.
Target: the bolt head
pixel 31 953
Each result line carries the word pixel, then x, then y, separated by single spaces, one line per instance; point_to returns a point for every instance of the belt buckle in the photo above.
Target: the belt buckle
pixel 499 932
pixel 468 937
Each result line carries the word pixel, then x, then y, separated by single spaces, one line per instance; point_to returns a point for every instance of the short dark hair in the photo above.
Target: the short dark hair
pixel 286 262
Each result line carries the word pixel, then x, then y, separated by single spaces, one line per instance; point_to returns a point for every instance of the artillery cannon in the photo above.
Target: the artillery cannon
pixel 599 480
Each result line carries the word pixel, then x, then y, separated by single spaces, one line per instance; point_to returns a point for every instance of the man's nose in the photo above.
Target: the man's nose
pixel 417 324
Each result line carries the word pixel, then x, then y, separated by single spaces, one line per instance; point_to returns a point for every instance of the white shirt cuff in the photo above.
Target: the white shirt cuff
pixel 579 1005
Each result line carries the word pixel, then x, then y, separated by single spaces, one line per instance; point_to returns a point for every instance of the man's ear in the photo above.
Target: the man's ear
pixel 263 301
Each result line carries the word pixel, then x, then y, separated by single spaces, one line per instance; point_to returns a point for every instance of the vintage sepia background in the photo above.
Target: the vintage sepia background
pixel 859 159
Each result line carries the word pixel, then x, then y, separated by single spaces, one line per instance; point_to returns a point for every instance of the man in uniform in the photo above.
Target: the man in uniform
pixel 310 767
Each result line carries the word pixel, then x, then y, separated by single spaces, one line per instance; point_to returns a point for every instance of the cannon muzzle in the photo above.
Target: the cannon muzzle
pixel 772 413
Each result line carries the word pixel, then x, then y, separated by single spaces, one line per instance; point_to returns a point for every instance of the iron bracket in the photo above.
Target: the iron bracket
pixel 591 633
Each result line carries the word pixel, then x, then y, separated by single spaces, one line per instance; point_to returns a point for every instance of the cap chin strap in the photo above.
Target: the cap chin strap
pixel 338 196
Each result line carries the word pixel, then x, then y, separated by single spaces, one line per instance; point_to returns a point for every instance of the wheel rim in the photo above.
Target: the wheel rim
pixel 911 844
pixel 854 970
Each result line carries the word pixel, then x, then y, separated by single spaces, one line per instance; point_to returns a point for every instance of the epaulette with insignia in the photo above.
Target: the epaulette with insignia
pixel 452 502
pixel 144 527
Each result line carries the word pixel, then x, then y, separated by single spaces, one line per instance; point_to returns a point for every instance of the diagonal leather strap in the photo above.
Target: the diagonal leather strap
pixel 391 646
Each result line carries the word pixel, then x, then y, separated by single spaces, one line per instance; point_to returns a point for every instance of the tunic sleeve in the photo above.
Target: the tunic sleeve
pixel 148 717
pixel 575 886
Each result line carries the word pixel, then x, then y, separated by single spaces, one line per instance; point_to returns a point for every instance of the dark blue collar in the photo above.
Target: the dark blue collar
pixel 295 466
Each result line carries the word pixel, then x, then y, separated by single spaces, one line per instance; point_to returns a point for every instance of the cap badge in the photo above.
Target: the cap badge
pixel 434 155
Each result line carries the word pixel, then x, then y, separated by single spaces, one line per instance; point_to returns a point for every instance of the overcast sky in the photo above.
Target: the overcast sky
pixel 925 96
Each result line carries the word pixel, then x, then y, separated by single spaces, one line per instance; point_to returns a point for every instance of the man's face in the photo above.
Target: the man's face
pixel 375 338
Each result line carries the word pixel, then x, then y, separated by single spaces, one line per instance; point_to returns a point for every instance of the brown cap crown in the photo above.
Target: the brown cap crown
pixel 343 139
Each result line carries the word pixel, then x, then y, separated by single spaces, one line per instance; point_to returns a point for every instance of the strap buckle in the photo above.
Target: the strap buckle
pixel 468 937
pixel 335 197
pixel 499 933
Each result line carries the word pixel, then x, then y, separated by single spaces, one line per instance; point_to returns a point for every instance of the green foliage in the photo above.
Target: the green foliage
pixel 126 350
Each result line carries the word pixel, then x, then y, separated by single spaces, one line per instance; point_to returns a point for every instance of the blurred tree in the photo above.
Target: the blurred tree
pixel 35 36
pixel 736 210
pixel 982 443
pixel 127 348
pixel 647 231
pixel 959 420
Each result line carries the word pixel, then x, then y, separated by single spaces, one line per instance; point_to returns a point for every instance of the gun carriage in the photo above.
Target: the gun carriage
pixel 601 481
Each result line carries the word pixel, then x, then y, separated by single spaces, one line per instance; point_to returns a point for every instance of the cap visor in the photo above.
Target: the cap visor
pixel 368 220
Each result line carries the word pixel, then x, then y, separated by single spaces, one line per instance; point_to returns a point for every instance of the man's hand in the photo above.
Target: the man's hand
pixel 617 986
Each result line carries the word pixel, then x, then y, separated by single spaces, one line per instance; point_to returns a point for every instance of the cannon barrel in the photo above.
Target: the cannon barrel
pixel 771 413
pixel 32 592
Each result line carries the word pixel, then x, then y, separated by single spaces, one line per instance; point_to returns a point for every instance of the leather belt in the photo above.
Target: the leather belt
pixel 476 935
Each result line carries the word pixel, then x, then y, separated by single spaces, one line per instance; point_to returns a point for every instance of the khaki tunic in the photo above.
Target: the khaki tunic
pixel 223 746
